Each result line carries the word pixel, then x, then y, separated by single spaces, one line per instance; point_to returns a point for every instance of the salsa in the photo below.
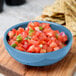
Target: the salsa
pixel 37 38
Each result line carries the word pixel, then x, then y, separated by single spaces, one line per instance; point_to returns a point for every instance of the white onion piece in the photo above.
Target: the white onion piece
pixel 37 28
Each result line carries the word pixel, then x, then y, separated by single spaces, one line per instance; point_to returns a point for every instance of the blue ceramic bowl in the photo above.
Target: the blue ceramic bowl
pixel 39 59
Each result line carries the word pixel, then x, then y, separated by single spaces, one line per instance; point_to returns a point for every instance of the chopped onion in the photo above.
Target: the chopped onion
pixel 62 34
pixel 37 28
pixel 41 45
pixel 50 34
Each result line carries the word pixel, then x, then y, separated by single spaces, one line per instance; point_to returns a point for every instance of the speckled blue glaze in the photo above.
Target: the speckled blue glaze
pixel 39 59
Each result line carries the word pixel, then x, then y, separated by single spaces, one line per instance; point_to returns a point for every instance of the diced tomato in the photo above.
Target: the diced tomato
pixel 42 42
pixel 56 48
pixel 33 42
pixel 26 30
pixel 36 24
pixel 65 38
pixel 14 38
pixel 45 25
pixel 21 29
pixel 53 39
pixel 53 44
pixel 49 42
pixel 42 36
pixel 26 46
pixel 23 41
pixel 10 34
pixel 14 30
pixel 49 49
pixel 43 51
pixel 37 38
pixel 31 49
pixel 17 32
pixel 59 43
pixel 16 42
pixel 60 38
pixel 57 31
pixel 46 30
pixel 31 25
pixel 37 49
pixel 20 48
pixel 37 33
pixel 45 47
pixel 24 35
pixel 20 45
pixel 50 33
pixel 10 41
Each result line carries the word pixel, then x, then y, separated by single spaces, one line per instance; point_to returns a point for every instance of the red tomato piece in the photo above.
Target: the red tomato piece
pixel 53 39
pixel 20 45
pixel 16 42
pixel 50 33
pixel 60 38
pixel 26 46
pixel 57 31
pixel 53 44
pixel 43 51
pixel 31 24
pixel 14 30
pixel 24 35
pixel 20 48
pixel 17 32
pixel 49 42
pixel 42 36
pixel 10 41
pixel 49 49
pixel 45 47
pixel 33 42
pixel 10 34
pixel 45 25
pixel 21 29
pixel 56 48
pixel 37 49
pixel 31 49
pixel 65 38
pixel 35 38
pixel 14 38
pixel 36 24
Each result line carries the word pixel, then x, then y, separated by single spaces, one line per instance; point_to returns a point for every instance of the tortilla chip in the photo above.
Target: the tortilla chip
pixel 70 22
pixel 71 4
pixel 70 17
pixel 62 5
pixel 53 9
pixel 70 11
pixel 59 21
pixel 73 32
pixel 60 16
pixel 47 11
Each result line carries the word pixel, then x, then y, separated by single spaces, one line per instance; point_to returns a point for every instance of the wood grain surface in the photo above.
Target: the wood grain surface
pixel 11 67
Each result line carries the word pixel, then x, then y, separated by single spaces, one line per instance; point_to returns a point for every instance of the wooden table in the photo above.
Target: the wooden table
pixel 11 67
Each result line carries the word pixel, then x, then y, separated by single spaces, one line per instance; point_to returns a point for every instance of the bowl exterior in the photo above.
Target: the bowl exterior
pixel 39 60
pixel 42 59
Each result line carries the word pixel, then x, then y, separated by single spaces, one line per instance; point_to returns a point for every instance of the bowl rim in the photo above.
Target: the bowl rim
pixel 17 25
